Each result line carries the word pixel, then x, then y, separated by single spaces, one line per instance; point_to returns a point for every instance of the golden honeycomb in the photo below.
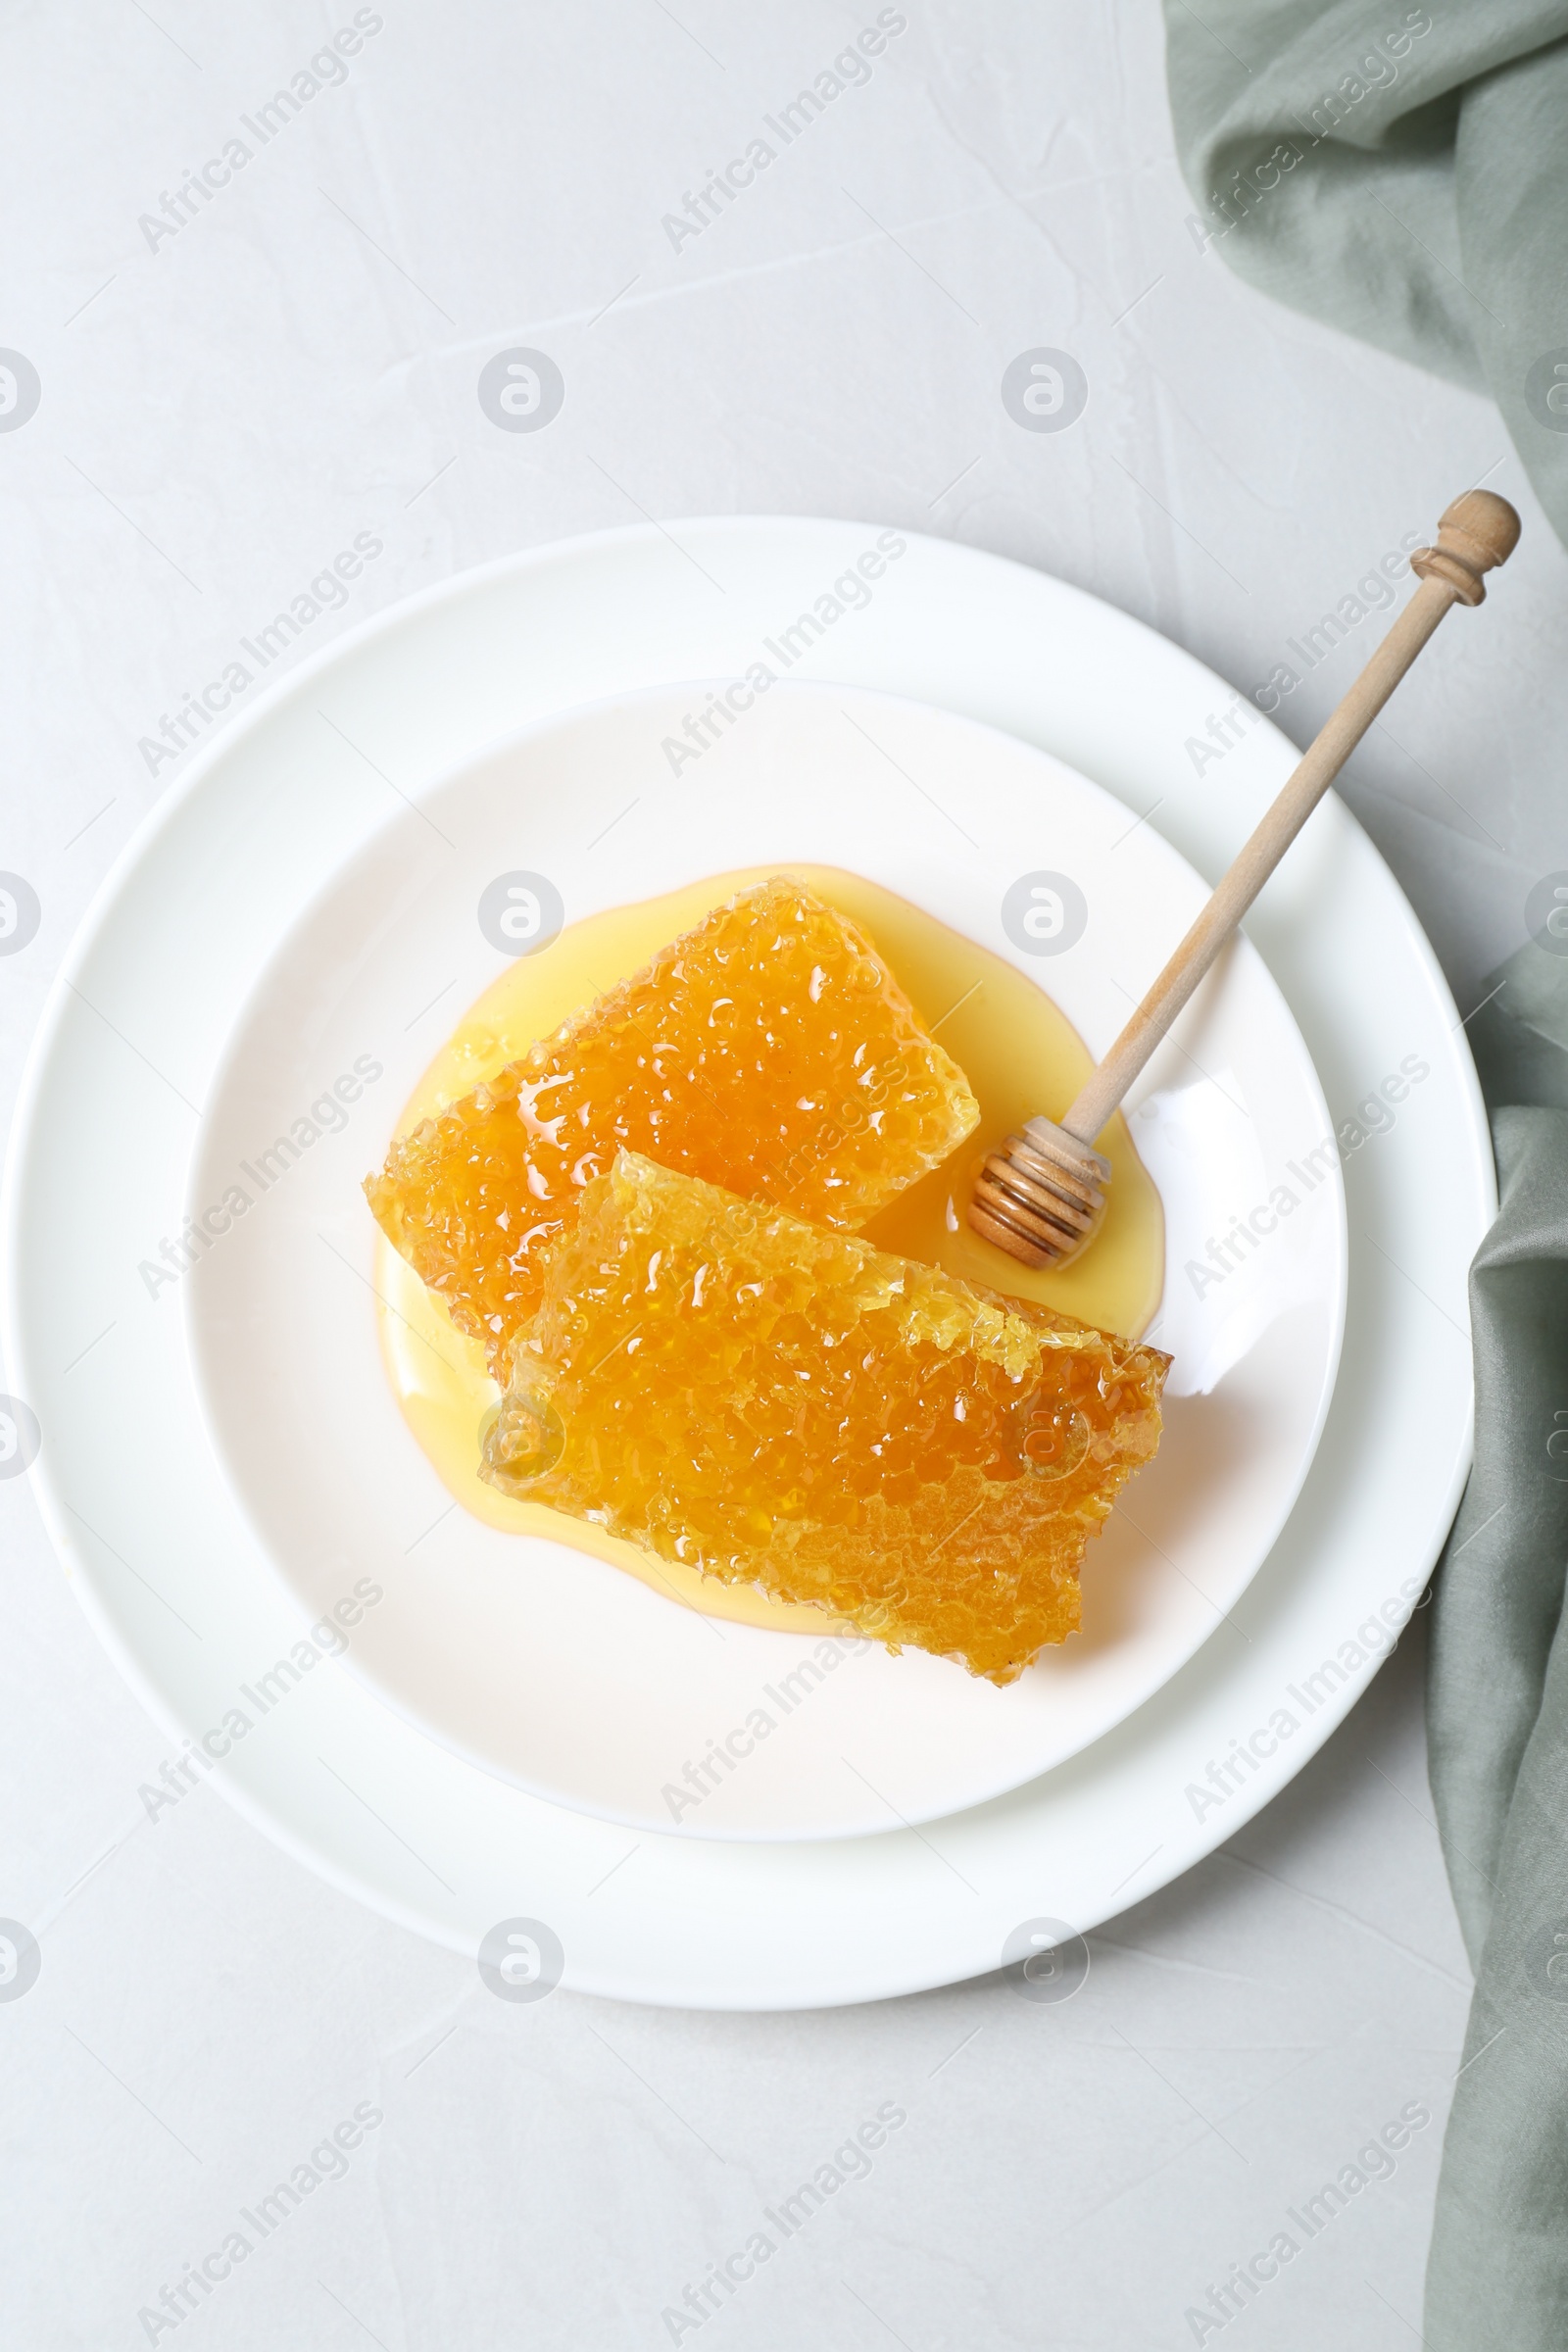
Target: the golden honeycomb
pixel 769 1050
pixel 785 1407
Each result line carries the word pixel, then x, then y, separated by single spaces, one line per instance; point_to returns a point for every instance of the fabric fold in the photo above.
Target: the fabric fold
pixel 1497 1714
pixel 1397 173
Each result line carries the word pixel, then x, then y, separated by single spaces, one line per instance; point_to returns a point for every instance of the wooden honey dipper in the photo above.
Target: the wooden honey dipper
pixel 1042 1195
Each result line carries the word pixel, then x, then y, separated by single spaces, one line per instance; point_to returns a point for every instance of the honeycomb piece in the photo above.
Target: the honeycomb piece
pixel 781 1406
pixel 769 1050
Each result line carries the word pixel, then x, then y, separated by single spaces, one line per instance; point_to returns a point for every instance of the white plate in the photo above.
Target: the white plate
pixel 558 1671
pixel 183 1595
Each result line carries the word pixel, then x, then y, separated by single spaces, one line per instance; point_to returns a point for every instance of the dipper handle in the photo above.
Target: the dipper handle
pixel 1476 533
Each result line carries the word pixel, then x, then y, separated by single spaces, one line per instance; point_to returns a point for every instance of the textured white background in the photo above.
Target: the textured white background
pixel 218 418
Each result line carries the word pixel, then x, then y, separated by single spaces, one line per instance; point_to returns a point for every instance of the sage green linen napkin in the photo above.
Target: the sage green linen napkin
pixel 1497 1714
pixel 1400 173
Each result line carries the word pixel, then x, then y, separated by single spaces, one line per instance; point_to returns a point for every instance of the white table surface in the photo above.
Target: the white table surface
pixel 220 417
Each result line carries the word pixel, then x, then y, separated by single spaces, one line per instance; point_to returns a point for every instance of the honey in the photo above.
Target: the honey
pixel 1016 1049
pixel 769 1050
pixel 780 1405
